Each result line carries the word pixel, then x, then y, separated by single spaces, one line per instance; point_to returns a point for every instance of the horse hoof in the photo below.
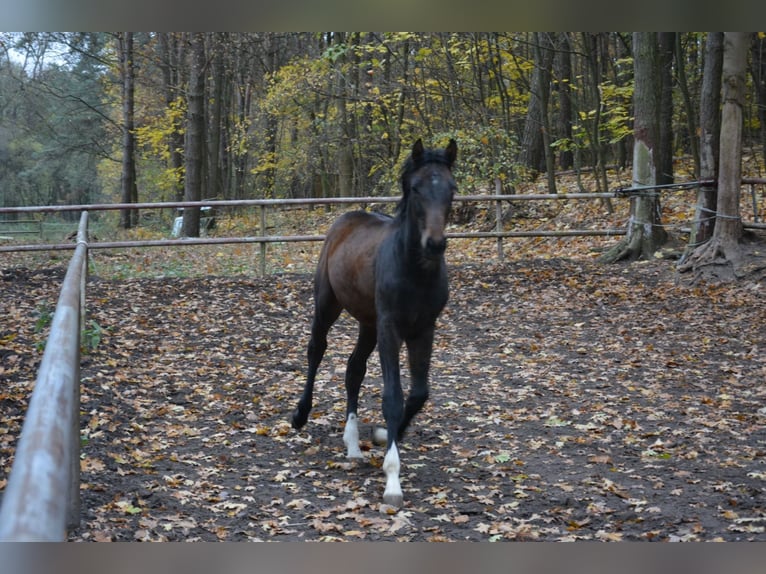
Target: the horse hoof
pixel 395 500
pixel 380 436
pixel 298 419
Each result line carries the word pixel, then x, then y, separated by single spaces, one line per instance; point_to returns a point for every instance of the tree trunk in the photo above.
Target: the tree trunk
pixel 563 67
pixel 195 128
pixel 544 53
pixel 171 48
pixel 532 154
pixel 645 232
pixel 710 131
pixel 724 247
pixel 215 116
pixel 758 68
pixel 667 45
pixel 128 217
pixel 683 85
pixel 590 45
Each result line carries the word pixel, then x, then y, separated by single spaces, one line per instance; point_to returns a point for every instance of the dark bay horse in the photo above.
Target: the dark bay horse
pixel 389 274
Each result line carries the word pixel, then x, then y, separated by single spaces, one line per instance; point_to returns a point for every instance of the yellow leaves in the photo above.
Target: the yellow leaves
pixel 729 515
pixel 119 459
pixel 7 338
pixel 89 464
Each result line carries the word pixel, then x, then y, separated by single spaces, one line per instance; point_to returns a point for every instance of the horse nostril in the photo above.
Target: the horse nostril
pixel 436 245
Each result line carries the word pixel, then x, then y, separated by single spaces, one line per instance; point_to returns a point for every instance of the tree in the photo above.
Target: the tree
pixel 591 43
pixel 724 248
pixel 563 68
pixel 55 117
pixel 667 45
pixel 710 131
pixel 758 70
pixel 172 52
pixel 128 217
pixel 645 233
pixel 195 134
pixel 533 153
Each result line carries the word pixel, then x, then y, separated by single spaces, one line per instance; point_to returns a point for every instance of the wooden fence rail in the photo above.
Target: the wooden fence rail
pixel 42 496
pixel 263 239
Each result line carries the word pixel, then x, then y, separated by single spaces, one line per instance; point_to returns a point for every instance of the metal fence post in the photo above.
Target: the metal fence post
pixel 263 243
pixel 499 219
pixel 42 494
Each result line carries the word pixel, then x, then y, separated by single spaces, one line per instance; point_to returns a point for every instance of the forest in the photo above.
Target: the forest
pixel 310 114
pixel 157 116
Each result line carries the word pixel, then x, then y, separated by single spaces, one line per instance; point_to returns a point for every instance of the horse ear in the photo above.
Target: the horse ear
pixel 417 151
pixel 451 151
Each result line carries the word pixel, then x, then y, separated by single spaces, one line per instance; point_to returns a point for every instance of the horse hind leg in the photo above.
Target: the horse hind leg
pixel 326 312
pixel 355 372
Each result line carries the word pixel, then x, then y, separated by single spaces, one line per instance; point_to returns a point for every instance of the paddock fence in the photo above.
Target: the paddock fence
pixel 263 239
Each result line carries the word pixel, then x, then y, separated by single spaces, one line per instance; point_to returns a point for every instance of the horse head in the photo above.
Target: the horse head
pixel 427 191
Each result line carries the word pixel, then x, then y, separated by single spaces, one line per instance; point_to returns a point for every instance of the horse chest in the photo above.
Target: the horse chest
pixel 412 305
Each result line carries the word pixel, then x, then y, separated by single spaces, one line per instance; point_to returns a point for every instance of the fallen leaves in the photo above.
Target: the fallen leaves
pixel 568 402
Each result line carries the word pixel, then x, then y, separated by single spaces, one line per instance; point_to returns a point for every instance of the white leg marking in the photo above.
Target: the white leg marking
pixel 351 438
pixel 393 493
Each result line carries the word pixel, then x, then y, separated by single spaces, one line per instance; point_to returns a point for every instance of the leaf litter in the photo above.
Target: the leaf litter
pixel 569 401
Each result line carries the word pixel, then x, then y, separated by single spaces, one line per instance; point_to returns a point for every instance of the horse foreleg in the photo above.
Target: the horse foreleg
pixel 419 354
pixel 393 494
pixel 355 372
pixel 393 409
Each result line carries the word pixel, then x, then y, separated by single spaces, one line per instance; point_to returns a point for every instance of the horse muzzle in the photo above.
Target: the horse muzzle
pixel 436 246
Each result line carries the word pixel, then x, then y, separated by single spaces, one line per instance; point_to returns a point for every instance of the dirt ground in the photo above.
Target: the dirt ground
pixel 569 401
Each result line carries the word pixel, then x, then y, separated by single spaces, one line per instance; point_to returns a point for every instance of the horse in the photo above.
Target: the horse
pixel 389 274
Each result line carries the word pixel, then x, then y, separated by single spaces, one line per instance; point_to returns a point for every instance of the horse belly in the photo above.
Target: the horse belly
pixel 351 264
